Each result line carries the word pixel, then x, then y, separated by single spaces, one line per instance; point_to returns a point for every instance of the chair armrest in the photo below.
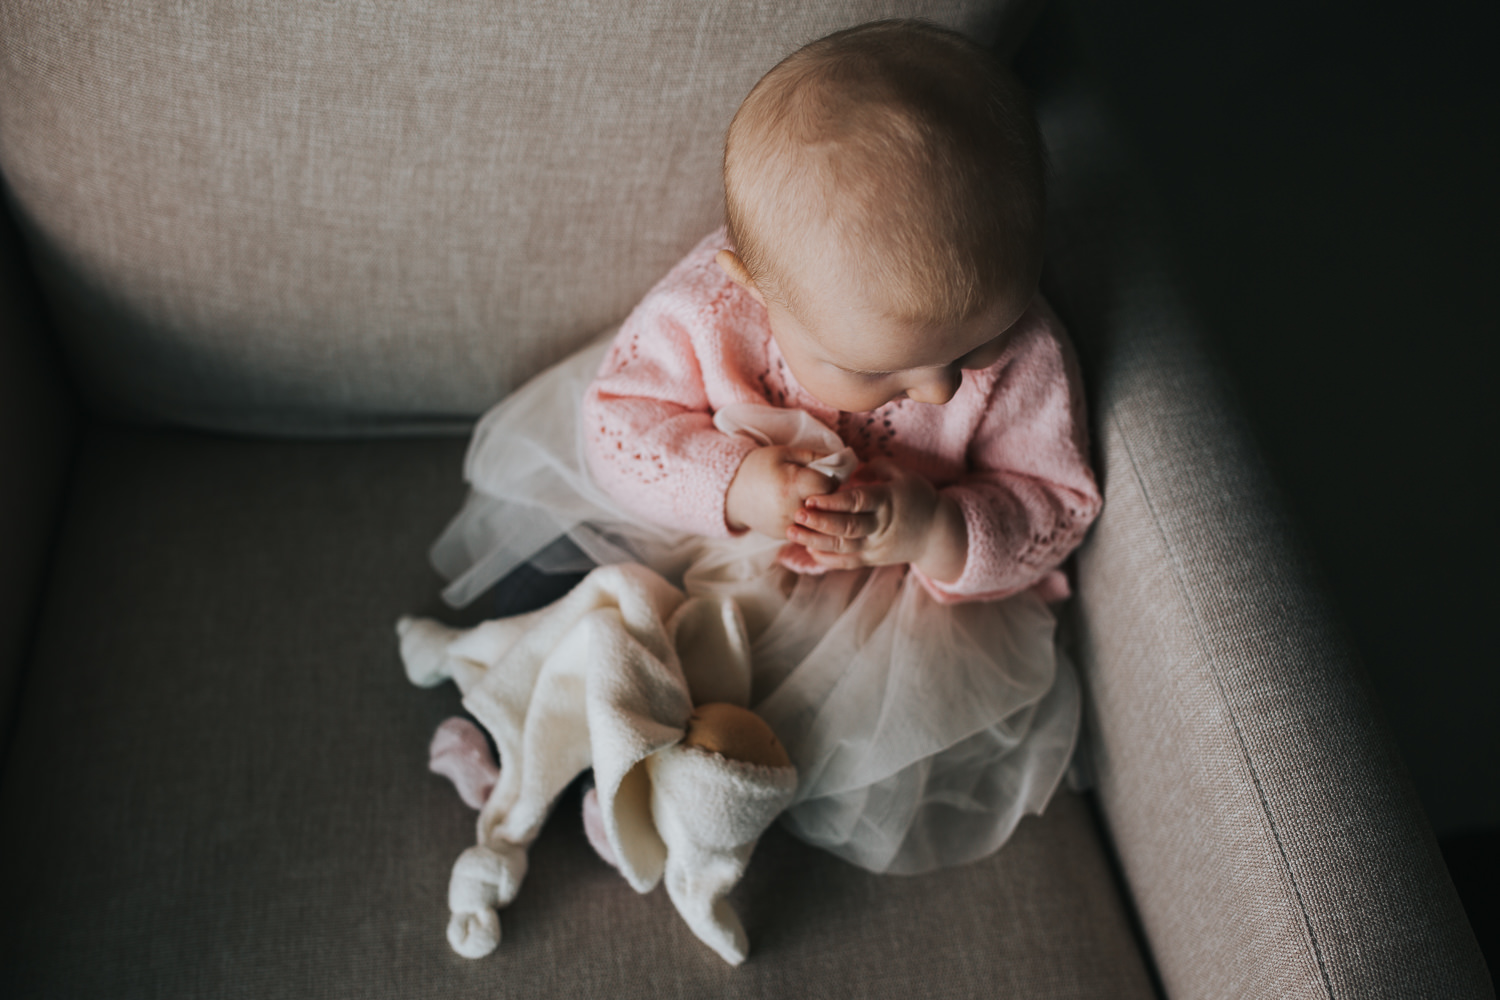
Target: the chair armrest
pixel 37 435
pixel 1267 829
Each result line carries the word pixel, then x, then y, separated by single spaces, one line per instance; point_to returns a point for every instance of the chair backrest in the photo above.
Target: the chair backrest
pixel 337 217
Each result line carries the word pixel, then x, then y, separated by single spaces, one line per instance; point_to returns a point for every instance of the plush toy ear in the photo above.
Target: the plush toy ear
pixel 639 851
pixel 636 706
pixel 710 811
pixel 713 648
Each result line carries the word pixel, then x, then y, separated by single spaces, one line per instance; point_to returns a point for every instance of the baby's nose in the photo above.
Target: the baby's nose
pixel 936 386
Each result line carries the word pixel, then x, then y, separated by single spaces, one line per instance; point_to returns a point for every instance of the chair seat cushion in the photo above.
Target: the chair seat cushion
pixel 218 784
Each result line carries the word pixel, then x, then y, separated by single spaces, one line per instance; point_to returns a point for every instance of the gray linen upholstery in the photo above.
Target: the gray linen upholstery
pixel 304 217
pixel 316 218
pixel 1272 841
pixel 218 788
pixel 36 438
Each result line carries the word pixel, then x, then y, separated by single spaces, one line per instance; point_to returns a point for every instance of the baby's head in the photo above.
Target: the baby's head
pixel 884 188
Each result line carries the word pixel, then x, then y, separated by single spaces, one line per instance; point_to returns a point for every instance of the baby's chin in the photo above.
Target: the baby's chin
pixel 865 405
pixel 854 403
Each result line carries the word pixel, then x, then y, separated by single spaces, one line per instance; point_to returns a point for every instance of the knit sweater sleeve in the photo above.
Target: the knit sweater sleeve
pixel 650 442
pixel 1029 495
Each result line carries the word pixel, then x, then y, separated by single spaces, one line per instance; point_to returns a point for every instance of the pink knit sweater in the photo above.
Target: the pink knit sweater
pixel 1010 447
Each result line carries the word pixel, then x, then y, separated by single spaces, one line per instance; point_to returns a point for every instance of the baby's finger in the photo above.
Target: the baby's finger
pixel 811 484
pixel 816 541
pixel 834 560
pixel 845 525
pixel 849 500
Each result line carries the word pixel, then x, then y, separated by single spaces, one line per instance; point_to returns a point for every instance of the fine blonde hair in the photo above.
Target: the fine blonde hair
pixel 907 145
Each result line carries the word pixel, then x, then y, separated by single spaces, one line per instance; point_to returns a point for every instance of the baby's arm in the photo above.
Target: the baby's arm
pixel 1030 495
pixel 650 440
pixel 1025 504
pixel 651 444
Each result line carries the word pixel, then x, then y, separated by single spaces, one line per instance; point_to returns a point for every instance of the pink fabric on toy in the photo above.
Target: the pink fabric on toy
pixel 460 753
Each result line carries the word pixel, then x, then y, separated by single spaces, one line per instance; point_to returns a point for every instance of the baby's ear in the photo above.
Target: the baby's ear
pixel 729 262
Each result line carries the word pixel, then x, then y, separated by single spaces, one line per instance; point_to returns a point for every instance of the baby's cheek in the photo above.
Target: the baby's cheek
pixel 831 387
pixel 856 394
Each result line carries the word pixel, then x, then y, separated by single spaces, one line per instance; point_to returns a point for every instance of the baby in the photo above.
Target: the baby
pixel 885 203
pixel 871 309
pixel 884 188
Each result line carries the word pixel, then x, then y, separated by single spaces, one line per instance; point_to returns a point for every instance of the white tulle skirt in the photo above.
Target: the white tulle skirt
pixel 922 732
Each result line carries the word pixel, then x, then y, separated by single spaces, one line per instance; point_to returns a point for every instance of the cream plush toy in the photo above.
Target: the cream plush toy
pixel 607 678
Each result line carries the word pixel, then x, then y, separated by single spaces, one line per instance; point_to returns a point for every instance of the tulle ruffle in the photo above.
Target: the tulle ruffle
pixel 922 732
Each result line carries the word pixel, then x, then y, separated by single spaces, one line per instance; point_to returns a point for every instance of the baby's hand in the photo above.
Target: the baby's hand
pixel 769 488
pixel 885 516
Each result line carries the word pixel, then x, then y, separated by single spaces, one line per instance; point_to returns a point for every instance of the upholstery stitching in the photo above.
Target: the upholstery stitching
pixel 1239 734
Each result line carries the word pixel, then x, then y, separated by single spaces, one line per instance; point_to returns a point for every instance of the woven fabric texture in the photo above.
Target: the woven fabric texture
pixel 313 217
pixel 1274 844
pixel 219 786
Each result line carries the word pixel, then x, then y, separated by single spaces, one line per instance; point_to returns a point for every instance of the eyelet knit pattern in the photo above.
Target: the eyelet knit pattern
pixel 1010 447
